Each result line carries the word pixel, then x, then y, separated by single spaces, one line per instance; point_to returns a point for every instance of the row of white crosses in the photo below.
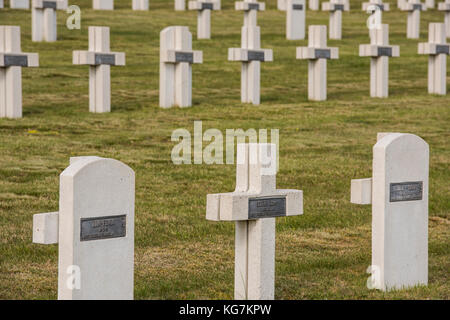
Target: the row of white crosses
pixel 204 8
pixel 445 6
pixel 253 206
pixel 295 18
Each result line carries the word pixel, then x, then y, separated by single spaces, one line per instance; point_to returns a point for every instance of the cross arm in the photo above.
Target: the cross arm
pixel 361 191
pixel 372 50
pixel 238 54
pixel 22 59
pixel 45 228
pixel 203 5
pixel 97 58
pixel 176 56
pixel 444 6
pixel 433 48
pixel 317 53
pixel 247 6
pixel 413 7
pixel 381 6
pixel 330 6
pixel 51 4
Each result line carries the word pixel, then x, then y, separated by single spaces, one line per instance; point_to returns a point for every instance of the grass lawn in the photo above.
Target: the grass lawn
pixel 322 254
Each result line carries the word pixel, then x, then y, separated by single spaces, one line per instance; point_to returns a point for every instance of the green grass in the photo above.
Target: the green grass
pixel 323 145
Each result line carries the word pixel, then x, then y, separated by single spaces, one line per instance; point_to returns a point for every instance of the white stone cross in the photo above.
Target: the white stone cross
pixel 295 18
pixel 43 19
pixel 379 51
pixel 251 55
pixel 413 7
pixel 250 8
pixel 336 7
pixel 99 58
pixel 430 4
pixel 103 4
pixel 438 49
pixel 138 5
pixel 94 229
pixel 398 192
pixel 180 5
pixel 19 4
pixel 317 53
pixel 445 6
pixel 204 8
pixel 254 205
pixel 175 68
pixel 12 59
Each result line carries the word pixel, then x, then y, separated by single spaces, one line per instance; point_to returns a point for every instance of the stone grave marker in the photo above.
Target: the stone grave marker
pixel 295 19
pixel 43 19
pixel 413 7
pixel 336 7
pixel 204 8
pixel 250 8
pixel 445 6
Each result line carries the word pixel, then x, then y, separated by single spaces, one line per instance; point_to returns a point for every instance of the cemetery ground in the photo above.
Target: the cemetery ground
pixel 322 254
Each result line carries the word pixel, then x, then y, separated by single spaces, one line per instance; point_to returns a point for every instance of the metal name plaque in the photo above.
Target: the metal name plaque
pixel 417 6
pixel 380 6
pixel 405 191
pixel 207 6
pixel 104 58
pixel 103 228
pixel 442 49
pixel 253 6
pixel 184 57
pixel 15 61
pixel 256 56
pixel 384 51
pixel 266 207
pixel 297 7
pixel 338 7
pixel 49 5
pixel 322 53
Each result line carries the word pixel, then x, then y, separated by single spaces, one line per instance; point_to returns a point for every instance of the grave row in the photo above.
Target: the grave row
pixel 94 226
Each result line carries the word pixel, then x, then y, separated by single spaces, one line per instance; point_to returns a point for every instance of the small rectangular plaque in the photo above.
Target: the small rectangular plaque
pixel 184 57
pixel 380 6
pixel 338 7
pixel 297 7
pixel 207 6
pixel 442 49
pixel 256 56
pixel 322 53
pixel 417 6
pixel 104 58
pixel 266 207
pixel 49 5
pixel 103 228
pixel 253 6
pixel 385 51
pixel 406 191
pixel 15 61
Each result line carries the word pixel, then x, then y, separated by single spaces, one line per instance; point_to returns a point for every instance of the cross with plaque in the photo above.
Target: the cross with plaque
pixel 438 49
pixel 295 19
pixel 12 60
pixel 445 6
pixel 19 4
pixel 398 192
pixel 251 55
pixel 250 8
pixel 140 5
pixel 336 7
pixel 204 8
pixel 413 7
pixel 373 5
pixel 43 19
pixel 253 206
pixel 317 53
pixel 99 58
pixel 94 228
pixel 175 68
pixel 103 4
pixel 379 51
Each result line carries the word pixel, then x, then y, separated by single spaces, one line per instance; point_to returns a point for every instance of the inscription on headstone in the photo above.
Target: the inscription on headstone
pixel 417 6
pixel 297 7
pixel 103 228
pixel 405 191
pixel 255 56
pixel 49 5
pixel 338 7
pixel 184 57
pixel 322 54
pixel 442 49
pixel 15 60
pixel 266 208
pixel 385 51
pixel 253 6
pixel 207 6
pixel 104 58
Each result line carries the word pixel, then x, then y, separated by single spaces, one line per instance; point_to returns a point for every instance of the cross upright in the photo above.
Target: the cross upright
pixel 379 51
pixel 317 53
pixel 180 5
pixel 12 59
pixel 250 8
pixel 43 17
pixel 251 55
pixel 1 4
pixel 254 205
pixel 413 7
pixel 139 5
pixel 175 68
pixel 336 7
pixel 204 8
pixel 438 50
pixel 99 58
pixel 295 19
pixel 445 6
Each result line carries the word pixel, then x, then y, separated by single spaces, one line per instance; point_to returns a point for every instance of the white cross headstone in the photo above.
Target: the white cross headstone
pixel 445 6
pixel 43 19
pixel 438 49
pixel 295 19
pixel 103 4
pixel 94 229
pixel 336 7
pixel 175 68
pixel 1 4
pixel 398 192
pixel 180 5
pixel 251 55
pixel 379 51
pixel 99 58
pixel 413 7
pixel 12 59
pixel 204 8
pixel 140 5
pixel 19 4
pixel 250 8
pixel 254 205
pixel 317 53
